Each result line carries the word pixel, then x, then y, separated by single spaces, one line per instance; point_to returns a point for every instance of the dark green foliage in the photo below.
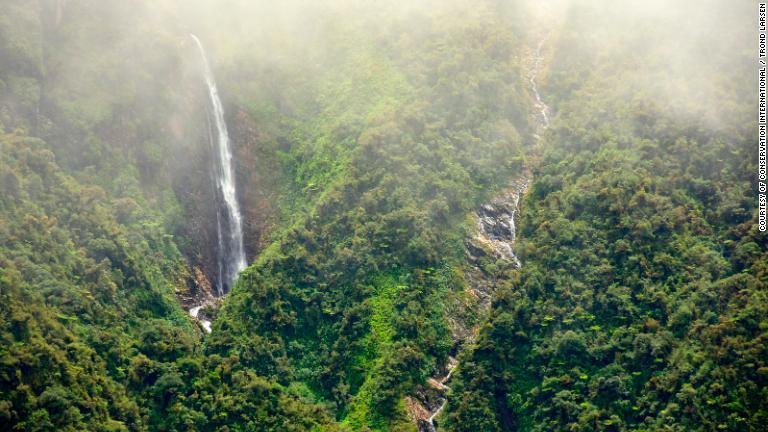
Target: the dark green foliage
pixel 641 304
pixel 91 333
pixel 636 308
pixel 75 286
pixel 351 299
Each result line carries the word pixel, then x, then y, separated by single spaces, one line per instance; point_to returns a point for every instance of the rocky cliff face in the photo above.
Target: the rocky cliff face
pixel 258 183
pixel 495 237
pixel 194 183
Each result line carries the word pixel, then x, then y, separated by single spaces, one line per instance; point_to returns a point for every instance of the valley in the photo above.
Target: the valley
pixel 400 216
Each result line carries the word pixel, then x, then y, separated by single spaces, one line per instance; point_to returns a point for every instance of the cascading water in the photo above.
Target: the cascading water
pixel 496 232
pixel 230 253
pixel 539 103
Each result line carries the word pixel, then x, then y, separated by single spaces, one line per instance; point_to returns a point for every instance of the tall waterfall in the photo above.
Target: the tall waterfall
pixel 231 253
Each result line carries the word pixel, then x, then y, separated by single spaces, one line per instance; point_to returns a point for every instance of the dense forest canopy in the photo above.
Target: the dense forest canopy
pixel 495 215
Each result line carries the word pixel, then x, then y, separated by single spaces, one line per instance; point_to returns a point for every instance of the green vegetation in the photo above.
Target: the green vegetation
pixel 351 300
pixel 365 138
pixel 641 304
pixel 93 336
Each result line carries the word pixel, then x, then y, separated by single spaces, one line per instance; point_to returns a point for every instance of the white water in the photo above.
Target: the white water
pixel 431 418
pixel 204 322
pixel 496 222
pixel 231 253
pixel 503 246
pixel 440 384
pixel 540 105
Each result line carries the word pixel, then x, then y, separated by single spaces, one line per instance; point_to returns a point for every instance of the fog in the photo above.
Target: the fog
pixel 127 73
pixel 304 214
pixel 677 45
pixel 687 55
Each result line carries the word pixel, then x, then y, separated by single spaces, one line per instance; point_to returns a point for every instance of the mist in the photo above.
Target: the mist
pixel 351 215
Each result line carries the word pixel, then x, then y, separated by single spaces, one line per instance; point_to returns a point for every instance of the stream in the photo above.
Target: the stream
pixel 539 103
pixel 194 312
pixel 496 232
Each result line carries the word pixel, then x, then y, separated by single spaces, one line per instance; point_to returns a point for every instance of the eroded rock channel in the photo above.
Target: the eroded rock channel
pixel 494 241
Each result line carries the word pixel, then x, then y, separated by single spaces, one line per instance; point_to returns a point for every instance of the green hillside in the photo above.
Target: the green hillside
pixel 379 150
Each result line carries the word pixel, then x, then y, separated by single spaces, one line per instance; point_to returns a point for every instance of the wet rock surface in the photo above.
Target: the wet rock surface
pixel 196 296
pixel 496 226
pixel 493 243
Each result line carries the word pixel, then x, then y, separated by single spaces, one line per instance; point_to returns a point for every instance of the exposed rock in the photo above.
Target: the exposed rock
pixel 495 238
pixel 415 409
pixel 197 289
pixel 493 242
pixel 430 399
pixel 197 296
pixel 496 230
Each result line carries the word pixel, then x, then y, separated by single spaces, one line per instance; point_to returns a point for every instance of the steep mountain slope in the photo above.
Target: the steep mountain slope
pixel 93 336
pixel 352 302
pixel 641 301
pixel 367 139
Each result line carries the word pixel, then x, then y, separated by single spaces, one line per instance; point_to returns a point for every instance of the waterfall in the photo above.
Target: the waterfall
pixel 194 312
pixel 229 220
pixel 539 103
pixel 59 12
pixel 496 231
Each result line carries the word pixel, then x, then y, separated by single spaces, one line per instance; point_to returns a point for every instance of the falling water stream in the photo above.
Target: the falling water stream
pixel 539 103
pixel 497 225
pixel 229 221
